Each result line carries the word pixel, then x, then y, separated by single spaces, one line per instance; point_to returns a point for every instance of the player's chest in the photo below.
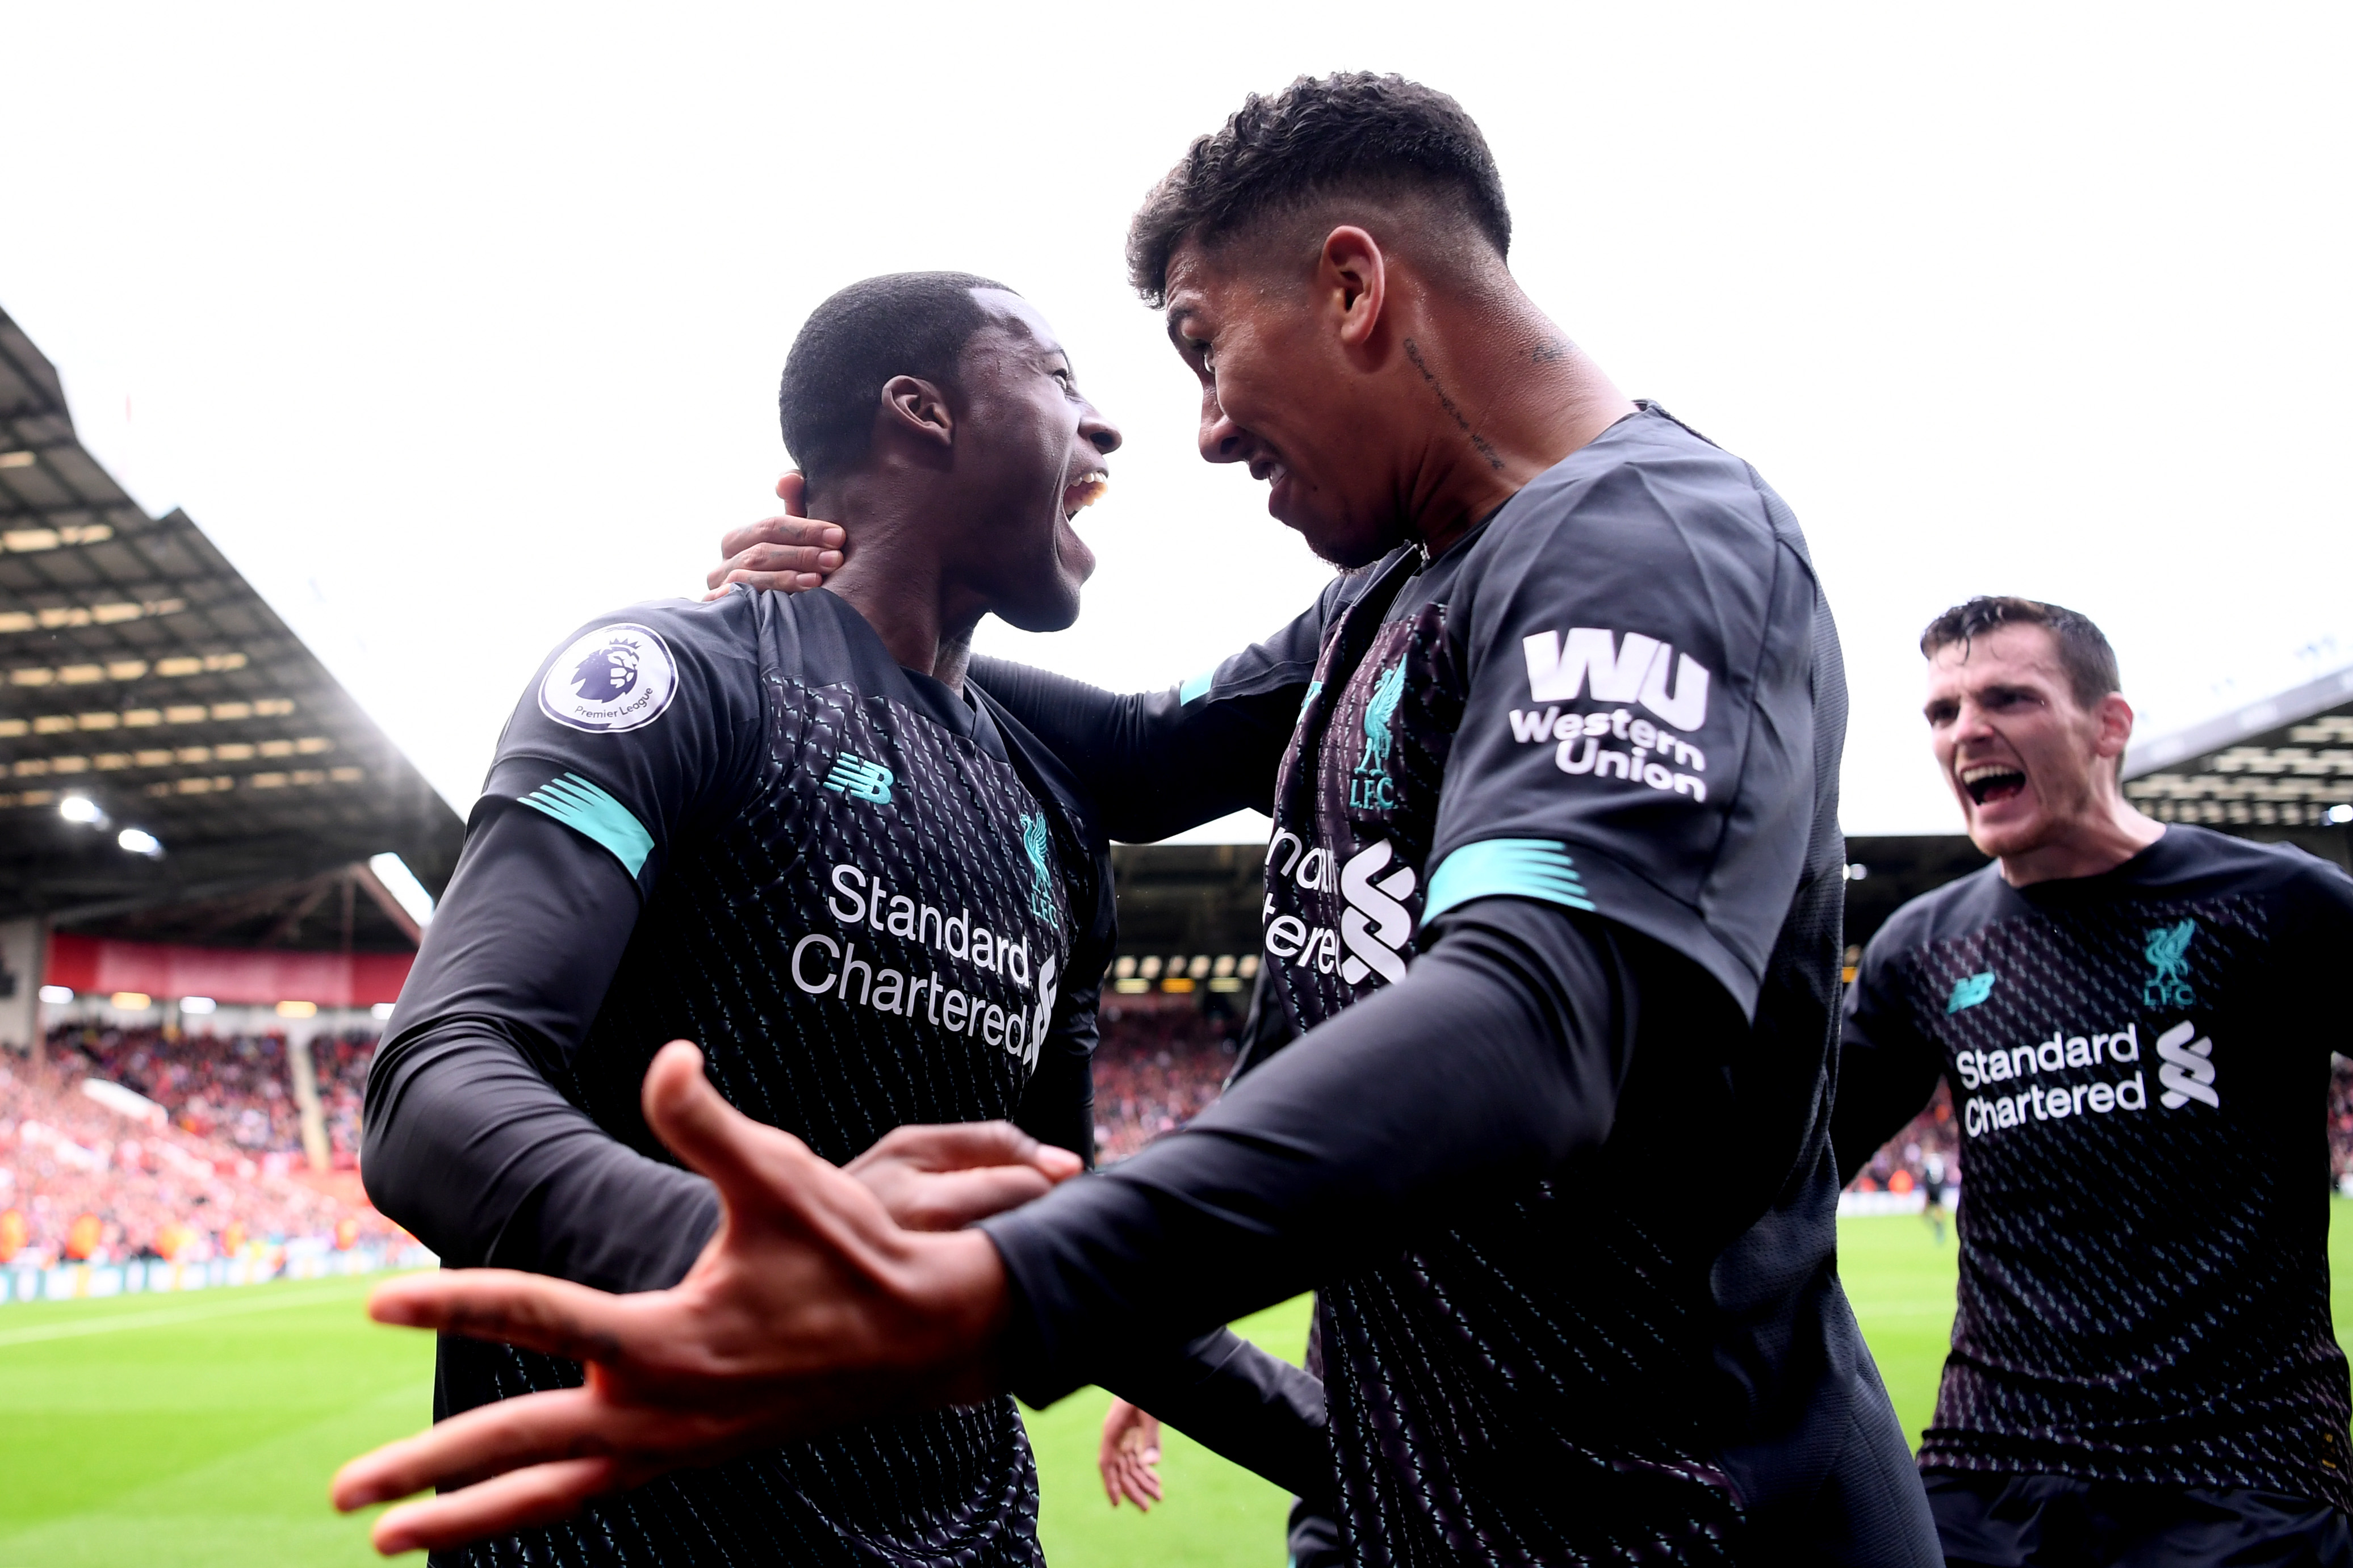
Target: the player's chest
pixel 1356 806
pixel 2137 1025
pixel 915 888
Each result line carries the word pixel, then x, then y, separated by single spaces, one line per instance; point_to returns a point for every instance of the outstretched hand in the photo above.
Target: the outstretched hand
pixel 785 554
pixel 808 1309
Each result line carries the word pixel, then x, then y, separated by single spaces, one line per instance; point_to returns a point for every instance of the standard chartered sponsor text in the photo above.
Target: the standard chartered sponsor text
pixel 823 965
pixel 1984 1113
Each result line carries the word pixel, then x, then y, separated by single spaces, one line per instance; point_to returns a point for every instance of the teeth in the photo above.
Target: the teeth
pixel 1989 771
pixel 1083 493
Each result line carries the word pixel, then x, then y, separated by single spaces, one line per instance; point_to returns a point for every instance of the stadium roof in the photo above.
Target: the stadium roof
pixel 2283 762
pixel 141 673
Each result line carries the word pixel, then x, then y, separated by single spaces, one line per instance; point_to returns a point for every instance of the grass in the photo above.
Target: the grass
pixel 200 1429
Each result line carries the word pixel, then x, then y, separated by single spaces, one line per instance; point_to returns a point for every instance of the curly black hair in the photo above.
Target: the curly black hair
pixel 1351 131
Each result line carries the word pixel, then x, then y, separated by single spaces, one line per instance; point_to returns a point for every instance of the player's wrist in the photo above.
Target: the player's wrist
pixel 955 1291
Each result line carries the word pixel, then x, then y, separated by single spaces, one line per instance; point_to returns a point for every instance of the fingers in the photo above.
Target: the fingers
pixel 553 1316
pixel 969 1145
pixel 543 1494
pixel 954 1199
pixel 788 548
pixel 792 489
pixel 750 1163
pixel 533 1430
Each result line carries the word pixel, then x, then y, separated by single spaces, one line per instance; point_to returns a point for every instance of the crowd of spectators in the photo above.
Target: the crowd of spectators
pixel 2340 1122
pixel 1925 1157
pixel 83 1181
pixel 233 1088
pixel 1159 1065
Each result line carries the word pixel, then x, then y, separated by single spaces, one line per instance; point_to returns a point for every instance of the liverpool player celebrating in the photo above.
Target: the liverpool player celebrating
pixel 1555 898
pixel 2134 1022
pixel 783 828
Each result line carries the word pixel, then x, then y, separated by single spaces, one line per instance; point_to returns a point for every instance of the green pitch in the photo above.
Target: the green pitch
pixel 200 1429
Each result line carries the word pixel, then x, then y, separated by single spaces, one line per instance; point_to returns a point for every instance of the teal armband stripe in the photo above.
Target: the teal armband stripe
pixel 588 810
pixel 1196 687
pixel 1506 867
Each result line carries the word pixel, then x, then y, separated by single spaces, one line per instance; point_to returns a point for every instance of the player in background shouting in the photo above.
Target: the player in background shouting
pixel 2135 1020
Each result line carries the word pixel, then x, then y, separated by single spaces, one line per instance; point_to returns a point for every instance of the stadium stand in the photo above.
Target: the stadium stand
pixel 233 1089
pixel 213 870
pixel 84 1180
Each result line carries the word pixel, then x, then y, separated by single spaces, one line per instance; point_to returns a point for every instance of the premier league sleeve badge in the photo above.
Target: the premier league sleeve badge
pixel 616 677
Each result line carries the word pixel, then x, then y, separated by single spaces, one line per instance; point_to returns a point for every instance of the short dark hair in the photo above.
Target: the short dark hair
pixel 2083 650
pixel 901 323
pixel 1352 132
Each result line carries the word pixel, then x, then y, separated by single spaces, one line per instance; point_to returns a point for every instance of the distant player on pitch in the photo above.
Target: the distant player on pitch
pixel 2135 1021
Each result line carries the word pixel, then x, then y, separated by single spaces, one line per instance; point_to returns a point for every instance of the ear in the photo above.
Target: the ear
pixel 1352 283
pixel 917 410
pixel 2116 716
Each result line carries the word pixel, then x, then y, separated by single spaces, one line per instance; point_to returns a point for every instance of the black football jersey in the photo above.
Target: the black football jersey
pixel 2139 1064
pixel 1622 697
pixel 872 902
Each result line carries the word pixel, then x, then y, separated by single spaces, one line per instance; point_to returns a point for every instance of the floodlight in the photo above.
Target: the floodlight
pixel 139 841
pixel 2340 813
pixel 381 1010
pixel 79 808
pixel 197 1004
pixel 56 995
pixel 402 884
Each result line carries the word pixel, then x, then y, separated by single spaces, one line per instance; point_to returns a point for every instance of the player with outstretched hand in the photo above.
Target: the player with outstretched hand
pixel 787 829
pixel 2135 1021
pixel 1555 898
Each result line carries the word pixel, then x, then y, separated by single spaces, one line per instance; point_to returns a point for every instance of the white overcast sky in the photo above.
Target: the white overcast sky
pixel 459 327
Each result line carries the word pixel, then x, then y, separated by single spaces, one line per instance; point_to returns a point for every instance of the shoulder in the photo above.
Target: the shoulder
pixel 1649 528
pixel 2219 861
pixel 1648 493
pixel 1958 907
pixel 636 671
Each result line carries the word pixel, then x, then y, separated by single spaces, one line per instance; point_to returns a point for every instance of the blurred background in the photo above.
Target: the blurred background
pixel 350 359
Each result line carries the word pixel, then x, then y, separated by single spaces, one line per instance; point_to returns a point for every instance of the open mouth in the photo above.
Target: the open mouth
pixel 1083 492
pixel 1988 782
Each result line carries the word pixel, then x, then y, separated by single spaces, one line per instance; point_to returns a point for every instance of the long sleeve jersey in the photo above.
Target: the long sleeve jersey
pixel 1552 939
pixel 870 900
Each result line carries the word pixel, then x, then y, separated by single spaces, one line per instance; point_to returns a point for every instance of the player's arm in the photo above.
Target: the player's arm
pixel 1272 1188
pixel 812 1309
pixel 1157 762
pixel 468 1142
pixel 1887 1069
pixel 636 732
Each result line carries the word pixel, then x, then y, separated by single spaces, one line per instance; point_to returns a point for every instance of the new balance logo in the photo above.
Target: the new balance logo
pixel 1969 991
pixel 1635 669
pixel 859 779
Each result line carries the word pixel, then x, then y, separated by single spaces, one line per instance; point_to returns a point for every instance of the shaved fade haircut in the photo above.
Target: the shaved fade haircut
pixel 2083 650
pixel 1351 133
pixel 901 323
